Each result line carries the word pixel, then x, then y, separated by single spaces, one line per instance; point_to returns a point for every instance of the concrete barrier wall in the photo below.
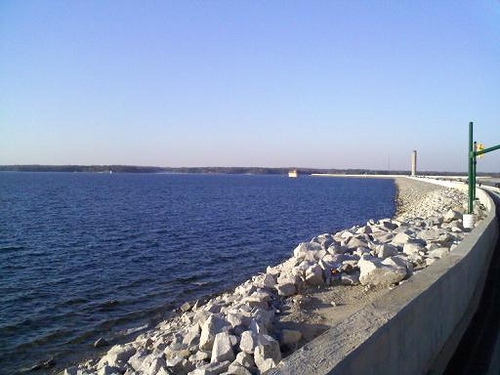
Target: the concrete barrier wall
pixel 413 328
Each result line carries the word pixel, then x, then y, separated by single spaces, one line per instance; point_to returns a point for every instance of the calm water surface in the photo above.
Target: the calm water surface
pixel 89 255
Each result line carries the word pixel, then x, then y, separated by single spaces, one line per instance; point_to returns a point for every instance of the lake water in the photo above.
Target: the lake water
pixel 90 255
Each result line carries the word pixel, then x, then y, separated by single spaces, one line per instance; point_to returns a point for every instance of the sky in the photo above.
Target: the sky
pixel 323 84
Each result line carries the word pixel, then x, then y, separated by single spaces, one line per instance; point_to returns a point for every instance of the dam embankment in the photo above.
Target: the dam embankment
pixel 416 327
pixel 363 299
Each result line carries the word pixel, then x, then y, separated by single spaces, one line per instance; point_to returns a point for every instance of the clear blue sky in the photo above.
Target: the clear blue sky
pixel 328 84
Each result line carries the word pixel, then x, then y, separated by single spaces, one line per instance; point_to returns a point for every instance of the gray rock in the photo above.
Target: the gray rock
pixel 401 238
pixel 257 327
pixel 386 250
pixel 200 355
pixel 413 248
pixel 307 250
pixel 192 338
pixel 269 281
pixel 248 341
pixel 268 348
pixel 137 359
pixel 355 242
pixel 235 319
pixel 333 260
pixel 350 279
pixel 432 246
pixel 343 236
pixel 186 306
pixel 212 326
pixel 161 371
pixel 211 369
pixel 366 229
pixel 245 289
pixel 438 253
pixel 237 369
pixel 388 224
pixel 288 277
pixel 382 237
pixel 286 289
pixel 324 240
pixel 245 359
pixel 255 302
pixel 177 349
pixel 153 364
pixel 452 215
pixel 314 275
pixel 117 356
pixel 373 272
pixel 429 261
pixel 445 240
pixel 263 317
pixel 400 261
pixel 430 235
pixel 266 365
pixel 222 349
pixel 335 249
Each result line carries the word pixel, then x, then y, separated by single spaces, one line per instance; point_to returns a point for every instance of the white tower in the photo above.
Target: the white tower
pixel 414 163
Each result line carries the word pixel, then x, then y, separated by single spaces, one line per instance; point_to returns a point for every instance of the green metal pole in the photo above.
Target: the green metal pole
pixel 474 165
pixel 489 149
pixel 469 158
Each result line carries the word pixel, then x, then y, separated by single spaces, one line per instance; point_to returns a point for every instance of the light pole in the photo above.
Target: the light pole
pixel 472 157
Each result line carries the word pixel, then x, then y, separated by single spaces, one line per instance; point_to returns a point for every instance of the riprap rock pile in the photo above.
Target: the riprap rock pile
pixel 235 333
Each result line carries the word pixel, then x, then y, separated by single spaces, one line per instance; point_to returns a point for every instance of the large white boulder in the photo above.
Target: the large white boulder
pixel 248 341
pixel 268 348
pixel 401 238
pixel 269 280
pixel 400 261
pixel 382 236
pixel 386 250
pixel 307 250
pixel 245 359
pixel 222 349
pixel 214 368
pixel 452 215
pixel 413 248
pixel 350 279
pixel 374 272
pixel 212 326
pixel 314 275
pixel 117 356
pixel 355 242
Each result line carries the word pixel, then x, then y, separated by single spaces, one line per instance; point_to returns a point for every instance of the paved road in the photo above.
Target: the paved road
pixel 479 349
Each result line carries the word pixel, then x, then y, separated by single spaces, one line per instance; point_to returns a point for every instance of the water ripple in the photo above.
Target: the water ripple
pixel 89 255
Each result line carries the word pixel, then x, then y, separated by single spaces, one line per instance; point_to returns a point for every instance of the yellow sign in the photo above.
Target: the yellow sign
pixel 480 147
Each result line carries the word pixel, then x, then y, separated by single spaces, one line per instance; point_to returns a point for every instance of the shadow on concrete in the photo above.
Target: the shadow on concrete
pixel 476 350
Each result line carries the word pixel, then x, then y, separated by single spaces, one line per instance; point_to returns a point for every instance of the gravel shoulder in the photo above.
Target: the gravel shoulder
pixel 411 196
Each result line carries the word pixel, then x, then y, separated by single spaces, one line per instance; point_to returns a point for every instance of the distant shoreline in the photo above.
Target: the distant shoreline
pixel 220 170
